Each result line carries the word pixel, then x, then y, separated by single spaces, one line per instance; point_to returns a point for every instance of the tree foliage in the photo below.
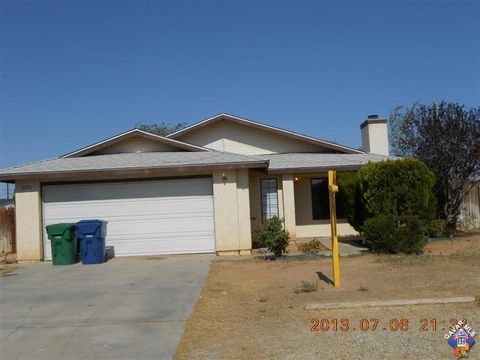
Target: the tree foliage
pixel 393 187
pixel 356 209
pixel 162 128
pixel 446 137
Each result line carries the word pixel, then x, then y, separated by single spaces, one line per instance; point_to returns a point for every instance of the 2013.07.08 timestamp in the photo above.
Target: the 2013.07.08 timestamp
pixel 371 324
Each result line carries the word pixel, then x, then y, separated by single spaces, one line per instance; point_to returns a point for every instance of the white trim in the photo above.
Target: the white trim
pixel 268 127
pixel 162 139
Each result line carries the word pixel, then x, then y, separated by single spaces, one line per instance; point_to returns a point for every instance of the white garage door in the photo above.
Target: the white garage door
pixel 144 217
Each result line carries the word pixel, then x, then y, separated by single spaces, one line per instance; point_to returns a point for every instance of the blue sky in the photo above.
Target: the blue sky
pixel 77 71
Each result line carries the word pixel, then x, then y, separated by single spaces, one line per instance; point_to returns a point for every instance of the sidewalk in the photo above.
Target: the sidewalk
pixel 347 248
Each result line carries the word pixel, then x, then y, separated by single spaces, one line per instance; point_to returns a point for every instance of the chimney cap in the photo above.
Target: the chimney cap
pixel 373 119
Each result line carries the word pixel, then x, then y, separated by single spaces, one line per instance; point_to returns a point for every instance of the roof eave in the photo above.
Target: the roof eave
pixel 310 169
pixel 52 175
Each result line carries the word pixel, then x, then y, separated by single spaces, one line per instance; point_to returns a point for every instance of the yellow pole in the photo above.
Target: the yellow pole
pixel 332 189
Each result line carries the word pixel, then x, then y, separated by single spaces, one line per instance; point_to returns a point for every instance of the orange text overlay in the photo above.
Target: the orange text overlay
pixel 371 324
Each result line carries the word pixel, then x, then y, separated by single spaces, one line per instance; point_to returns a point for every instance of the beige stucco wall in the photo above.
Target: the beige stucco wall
pixel 28 221
pixel 305 225
pixel 243 205
pixel 289 205
pixel 133 145
pixel 232 212
pixel 230 136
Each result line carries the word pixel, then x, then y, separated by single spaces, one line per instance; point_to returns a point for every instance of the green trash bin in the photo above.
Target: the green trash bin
pixel 64 243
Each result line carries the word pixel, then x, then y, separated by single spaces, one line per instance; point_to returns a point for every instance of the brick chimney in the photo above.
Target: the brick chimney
pixel 375 135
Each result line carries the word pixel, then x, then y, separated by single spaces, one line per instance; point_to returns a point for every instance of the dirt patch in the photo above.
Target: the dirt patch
pixel 252 309
pixel 467 241
pixel 7 269
pixel 154 258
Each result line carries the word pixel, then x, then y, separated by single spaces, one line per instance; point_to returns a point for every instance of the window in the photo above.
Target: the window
pixel 320 202
pixel 269 198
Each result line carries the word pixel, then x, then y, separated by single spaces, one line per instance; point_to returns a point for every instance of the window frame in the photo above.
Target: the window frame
pixel 261 198
pixel 315 202
pixel 339 202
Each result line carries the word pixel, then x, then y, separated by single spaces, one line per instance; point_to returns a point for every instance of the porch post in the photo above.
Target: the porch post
pixel 28 209
pixel 289 205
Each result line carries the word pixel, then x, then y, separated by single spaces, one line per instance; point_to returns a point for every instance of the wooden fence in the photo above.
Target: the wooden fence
pixel 470 216
pixel 8 242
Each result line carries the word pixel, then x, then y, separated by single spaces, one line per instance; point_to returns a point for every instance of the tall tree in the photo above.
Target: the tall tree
pixel 446 137
pixel 162 128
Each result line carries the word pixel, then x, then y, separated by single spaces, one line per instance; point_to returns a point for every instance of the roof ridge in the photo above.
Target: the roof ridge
pixel 160 138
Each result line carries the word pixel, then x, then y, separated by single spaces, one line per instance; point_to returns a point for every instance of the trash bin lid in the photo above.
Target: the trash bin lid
pixel 89 226
pixel 59 229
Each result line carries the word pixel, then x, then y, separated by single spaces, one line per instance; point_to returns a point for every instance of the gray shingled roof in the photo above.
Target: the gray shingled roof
pixel 131 161
pixel 319 161
pixel 292 162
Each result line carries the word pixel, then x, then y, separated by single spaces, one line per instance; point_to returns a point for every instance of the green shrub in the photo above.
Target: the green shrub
pixel 435 228
pixel 256 243
pixel 391 187
pixel 312 247
pixel 410 235
pixel 395 234
pixel 379 233
pixel 273 236
pixel 356 210
pixel 399 187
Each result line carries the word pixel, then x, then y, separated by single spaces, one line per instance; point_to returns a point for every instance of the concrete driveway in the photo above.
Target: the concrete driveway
pixel 127 308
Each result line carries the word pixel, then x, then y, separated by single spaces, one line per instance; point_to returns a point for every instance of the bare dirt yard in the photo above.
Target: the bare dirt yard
pixel 252 309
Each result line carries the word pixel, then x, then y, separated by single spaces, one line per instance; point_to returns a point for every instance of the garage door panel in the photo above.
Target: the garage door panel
pixel 126 191
pixel 182 246
pixel 175 217
pixel 125 209
pixel 167 227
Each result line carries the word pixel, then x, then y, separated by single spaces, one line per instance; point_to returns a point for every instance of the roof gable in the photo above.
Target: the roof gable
pixel 291 141
pixel 134 141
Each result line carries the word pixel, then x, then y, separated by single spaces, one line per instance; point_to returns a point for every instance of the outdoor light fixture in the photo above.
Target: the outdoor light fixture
pixel 224 177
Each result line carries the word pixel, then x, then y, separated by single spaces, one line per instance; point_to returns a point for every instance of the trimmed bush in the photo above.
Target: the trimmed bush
pixel 273 236
pixel 395 234
pixel 379 234
pixel 356 210
pixel 392 187
pixel 410 235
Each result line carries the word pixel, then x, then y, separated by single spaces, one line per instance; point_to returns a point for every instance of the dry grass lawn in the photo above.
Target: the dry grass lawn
pixel 249 309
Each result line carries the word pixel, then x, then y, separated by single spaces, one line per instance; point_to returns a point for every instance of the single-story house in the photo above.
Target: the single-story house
pixel 202 189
